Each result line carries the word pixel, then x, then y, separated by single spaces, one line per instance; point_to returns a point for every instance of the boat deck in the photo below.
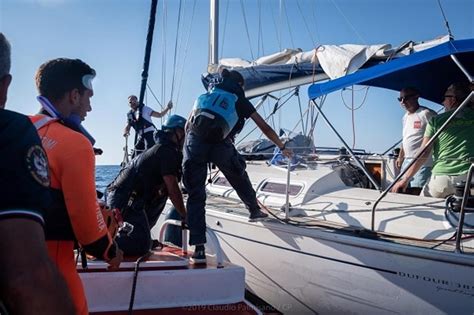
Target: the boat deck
pixel 166 283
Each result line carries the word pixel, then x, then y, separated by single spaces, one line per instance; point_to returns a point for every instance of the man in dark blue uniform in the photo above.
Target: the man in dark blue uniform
pixel 216 119
pixel 29 282
pixel 142 187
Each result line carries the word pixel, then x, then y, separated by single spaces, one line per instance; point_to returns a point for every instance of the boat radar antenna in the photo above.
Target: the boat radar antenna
pixel 451 37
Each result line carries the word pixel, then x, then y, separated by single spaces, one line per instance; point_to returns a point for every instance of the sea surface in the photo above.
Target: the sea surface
pixel 104 174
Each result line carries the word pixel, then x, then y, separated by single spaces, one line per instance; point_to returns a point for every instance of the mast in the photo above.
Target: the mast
pixel 149 41
pixel 213 34
pixel 146 62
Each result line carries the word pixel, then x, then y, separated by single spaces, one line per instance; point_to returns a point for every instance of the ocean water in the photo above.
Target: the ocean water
pixel 104 174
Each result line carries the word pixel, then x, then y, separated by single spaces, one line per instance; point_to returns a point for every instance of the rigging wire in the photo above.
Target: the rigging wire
pixel 176 49
pixel 154 96
pixel 313 10
pixel 280 23
pixel 288 23
pixel 260 33
pixel 225 26
pixel 185 55
pixel 275 27
pixel 306 23
pixel 445 20
pixel 278 105
pixel 163 52
pixel 246 28
pixel 349 22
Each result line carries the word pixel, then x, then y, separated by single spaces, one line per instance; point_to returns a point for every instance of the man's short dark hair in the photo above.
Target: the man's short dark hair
pixel 56 77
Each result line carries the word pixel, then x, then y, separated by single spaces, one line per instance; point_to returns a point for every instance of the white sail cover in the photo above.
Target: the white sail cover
pixel 293 67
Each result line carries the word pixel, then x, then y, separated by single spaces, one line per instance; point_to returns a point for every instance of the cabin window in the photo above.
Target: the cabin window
pixel 279 188
pixel 222 181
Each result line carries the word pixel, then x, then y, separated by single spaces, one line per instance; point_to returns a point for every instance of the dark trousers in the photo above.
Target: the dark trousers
pixel 145 141
pixel 143 218
pixel 196 155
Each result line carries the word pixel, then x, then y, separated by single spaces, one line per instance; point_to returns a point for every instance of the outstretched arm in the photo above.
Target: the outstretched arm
pixel 270 134
pixel 174 193
pixel 161 114
pixel 29 281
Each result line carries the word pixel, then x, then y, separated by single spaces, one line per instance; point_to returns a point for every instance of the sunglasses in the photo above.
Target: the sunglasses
pixel 405 98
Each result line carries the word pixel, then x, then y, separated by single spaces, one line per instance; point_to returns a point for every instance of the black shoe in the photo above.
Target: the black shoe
pixel 199 256
pixel 155 244
pixel 257 215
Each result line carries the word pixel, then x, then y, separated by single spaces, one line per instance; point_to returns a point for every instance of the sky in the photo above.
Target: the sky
pixel 110 36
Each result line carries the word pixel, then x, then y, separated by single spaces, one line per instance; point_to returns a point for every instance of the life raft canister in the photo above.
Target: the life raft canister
pixel 215 114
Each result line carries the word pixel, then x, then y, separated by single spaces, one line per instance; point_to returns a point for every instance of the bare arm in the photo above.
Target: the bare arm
pixel 126 131
pixel 29 281
pixel 174 193
pixel 403 183
pixel 270 133
pixel 401 157
pixel 161 114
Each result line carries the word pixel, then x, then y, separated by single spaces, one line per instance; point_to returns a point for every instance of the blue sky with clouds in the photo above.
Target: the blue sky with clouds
pixel 110 36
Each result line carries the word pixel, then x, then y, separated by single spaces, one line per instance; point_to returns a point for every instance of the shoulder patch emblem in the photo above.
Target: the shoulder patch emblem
pixel 37 163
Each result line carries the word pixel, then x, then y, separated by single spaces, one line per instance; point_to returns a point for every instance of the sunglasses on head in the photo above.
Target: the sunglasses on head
pixel 406 97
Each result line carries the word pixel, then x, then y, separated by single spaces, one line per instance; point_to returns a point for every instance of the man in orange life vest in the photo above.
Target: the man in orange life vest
pixel 29 280
pixel 65 88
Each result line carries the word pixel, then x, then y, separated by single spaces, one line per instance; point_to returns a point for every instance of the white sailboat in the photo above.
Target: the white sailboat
pixel 341 246
pixel 336 243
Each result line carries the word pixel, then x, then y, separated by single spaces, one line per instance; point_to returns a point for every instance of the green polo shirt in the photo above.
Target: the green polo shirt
pixel 455 145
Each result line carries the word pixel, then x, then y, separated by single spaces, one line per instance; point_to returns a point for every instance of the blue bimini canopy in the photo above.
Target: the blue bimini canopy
pixel 431 71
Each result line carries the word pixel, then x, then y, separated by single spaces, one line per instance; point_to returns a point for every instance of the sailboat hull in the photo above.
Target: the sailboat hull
pixel 319 271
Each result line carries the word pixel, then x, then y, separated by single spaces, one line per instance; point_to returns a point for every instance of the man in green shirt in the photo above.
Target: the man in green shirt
pixel 451 151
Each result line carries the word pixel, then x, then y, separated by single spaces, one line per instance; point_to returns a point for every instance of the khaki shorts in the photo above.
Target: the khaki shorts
pixel 441 186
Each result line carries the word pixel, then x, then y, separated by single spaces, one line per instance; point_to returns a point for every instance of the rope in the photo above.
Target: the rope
pixel 352 109
pixel 246 28
pixel 135 278
pixel 297 223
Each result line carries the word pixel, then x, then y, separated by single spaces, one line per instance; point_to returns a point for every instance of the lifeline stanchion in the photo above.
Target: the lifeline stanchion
pixel 287 204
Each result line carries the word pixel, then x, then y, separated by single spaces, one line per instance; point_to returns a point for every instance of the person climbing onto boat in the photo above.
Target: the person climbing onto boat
pixel 217 117
pixel 142 187
pixel 414 123
pixel 65 88
pixel 28 278
pixel 452 150
pixel 139 118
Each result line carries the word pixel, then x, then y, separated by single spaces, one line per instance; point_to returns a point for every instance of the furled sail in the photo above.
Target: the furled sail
pixel 294 67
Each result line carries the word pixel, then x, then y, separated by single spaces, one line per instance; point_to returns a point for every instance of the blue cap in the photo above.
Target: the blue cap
pixel 173 122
